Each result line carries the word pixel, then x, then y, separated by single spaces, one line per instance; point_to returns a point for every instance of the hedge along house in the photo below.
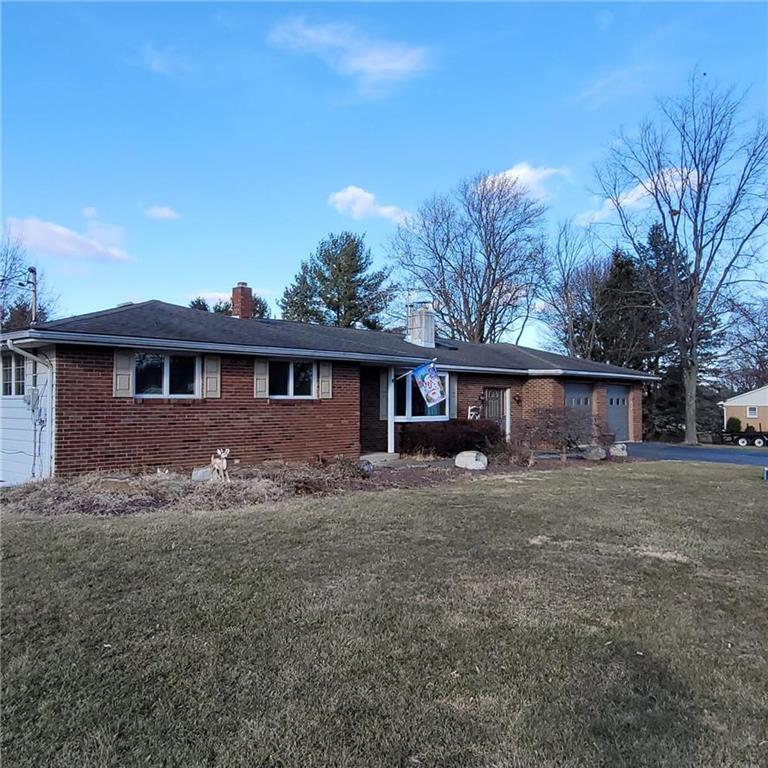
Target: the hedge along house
pixel 155 384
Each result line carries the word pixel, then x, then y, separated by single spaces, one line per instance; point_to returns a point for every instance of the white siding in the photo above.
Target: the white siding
pixel 754 397
pixel 19 434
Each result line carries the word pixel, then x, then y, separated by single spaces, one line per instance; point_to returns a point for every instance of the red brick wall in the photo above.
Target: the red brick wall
pixel 600 407
pixel 95 430
pixel 542 393
pixel 470 387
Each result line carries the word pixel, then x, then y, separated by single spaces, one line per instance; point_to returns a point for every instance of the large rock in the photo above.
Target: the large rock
pixel 594 453
pixel 618 451
pixel 471 460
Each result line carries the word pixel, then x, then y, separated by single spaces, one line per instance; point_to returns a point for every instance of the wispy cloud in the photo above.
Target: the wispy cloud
pixel 670 182
pixel 164 212
pixel 534 177
pixel 374 64
pixel 618 83
pixel 164 60
pixel 100 241
pixel 361 204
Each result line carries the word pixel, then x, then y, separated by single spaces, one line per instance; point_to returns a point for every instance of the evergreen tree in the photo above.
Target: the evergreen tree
pixel 336 286
pixel 222 307
pixel 261 308
pixel 199 302
pixel 665 273
pixel 300 300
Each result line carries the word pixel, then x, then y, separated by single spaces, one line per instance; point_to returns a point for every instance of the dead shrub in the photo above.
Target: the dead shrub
pixel 102 495
pixel 79 496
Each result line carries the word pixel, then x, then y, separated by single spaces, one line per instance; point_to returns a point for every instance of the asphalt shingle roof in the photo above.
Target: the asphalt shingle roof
pixel 162 321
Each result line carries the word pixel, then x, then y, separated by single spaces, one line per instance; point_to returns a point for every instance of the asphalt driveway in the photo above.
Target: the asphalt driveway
pixel 720 454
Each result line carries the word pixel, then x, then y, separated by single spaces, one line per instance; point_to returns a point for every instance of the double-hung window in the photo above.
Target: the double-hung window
pixel 751 411
pixel 12 375
pixel 292 378
pixel 160 374
pixel 410 404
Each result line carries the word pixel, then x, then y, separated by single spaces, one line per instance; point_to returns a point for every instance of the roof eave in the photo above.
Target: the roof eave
pixel 629 375
pixel 107 340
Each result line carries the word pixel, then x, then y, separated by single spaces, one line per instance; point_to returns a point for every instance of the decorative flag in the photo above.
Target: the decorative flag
pixel 430 384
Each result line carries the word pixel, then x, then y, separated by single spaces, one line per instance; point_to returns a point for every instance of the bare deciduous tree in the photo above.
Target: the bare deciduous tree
pixel 476 252
pixel 11 269
pixel 745 363
pixel 15 308
pixel 570 285
pixel 702 175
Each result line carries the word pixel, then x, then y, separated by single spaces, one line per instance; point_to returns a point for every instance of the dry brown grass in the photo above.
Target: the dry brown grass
pixel 484 623
pixel 104 495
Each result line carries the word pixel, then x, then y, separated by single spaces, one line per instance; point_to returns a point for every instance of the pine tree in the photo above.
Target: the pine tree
pixel 261 308
pixel 222 307
pixel 664 271
pixel 336 286
pixel 300 300
pixel 199 302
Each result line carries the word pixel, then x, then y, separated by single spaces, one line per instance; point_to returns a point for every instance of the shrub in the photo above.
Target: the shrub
pixel 447 438
pixel 733 424
pixel 104 496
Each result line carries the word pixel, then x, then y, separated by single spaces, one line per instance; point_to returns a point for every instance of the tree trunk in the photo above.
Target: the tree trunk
pixel 690 383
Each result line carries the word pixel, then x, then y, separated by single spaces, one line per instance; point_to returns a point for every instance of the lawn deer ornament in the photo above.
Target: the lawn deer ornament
pixel 219 465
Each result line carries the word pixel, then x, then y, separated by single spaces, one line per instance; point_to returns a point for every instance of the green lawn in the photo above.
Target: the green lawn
pixel 614 616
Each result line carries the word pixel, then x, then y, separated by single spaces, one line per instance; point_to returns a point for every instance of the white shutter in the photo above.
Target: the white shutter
pixel 212 376
pixel 261 378
pixel 122 380
pixel 383 395
pixel 453 395
pixel 325 381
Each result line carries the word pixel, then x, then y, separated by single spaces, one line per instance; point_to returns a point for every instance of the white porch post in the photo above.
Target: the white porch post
pixel 391 410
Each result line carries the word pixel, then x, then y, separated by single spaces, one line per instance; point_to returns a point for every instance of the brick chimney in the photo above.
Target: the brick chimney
pixel 242 301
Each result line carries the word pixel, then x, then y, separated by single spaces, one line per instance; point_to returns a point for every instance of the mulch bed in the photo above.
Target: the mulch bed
pixel 116 494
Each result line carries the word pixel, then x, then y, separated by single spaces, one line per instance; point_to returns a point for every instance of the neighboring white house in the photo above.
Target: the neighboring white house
pixel 26 428
pixel 751 408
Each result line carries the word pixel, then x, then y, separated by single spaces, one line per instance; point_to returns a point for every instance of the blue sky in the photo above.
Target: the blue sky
pixel 166 150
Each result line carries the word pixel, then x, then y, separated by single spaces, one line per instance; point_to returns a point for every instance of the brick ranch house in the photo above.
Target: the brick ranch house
pixel 155 384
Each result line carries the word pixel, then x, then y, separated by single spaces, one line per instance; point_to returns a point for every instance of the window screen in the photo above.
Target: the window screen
pixel 150 369
pixel 302 379
pixel 278 378
pixel 181 375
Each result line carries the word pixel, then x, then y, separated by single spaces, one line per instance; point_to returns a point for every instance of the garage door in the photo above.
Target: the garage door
pixel 578 397
pixel 618 412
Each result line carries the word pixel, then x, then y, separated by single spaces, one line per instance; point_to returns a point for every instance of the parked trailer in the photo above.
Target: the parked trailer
pixel 743 439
